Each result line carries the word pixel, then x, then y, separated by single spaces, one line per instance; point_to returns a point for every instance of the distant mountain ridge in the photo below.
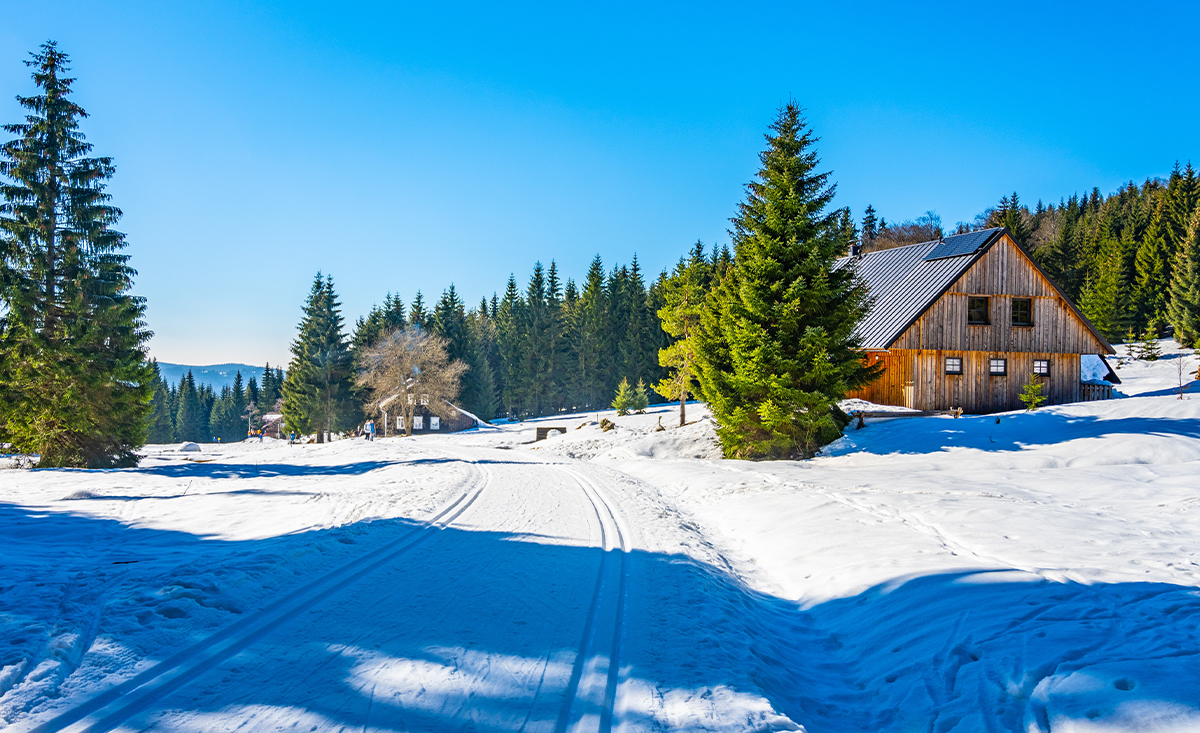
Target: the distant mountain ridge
pixel 218 375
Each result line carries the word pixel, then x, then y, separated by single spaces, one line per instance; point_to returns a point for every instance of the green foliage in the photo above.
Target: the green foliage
pixel 1153 269
pixel 683 296
pixel 162 411
pixel 1148 349
pixel 1031 394
pixel 641 398
pixel 1183 312
pixel 75 386
pixel 776 347
pixel 318 394
pixel 1105 300
pixel 625 399
pixel 191 420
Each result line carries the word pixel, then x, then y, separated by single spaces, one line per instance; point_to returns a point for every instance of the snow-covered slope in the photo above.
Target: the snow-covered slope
pixel 1021 572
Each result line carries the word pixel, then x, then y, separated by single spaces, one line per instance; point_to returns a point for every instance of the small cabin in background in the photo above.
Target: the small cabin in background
pixel 964 321
pixel 426 421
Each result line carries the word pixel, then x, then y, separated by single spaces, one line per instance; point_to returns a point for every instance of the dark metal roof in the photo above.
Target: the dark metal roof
pixel 905 281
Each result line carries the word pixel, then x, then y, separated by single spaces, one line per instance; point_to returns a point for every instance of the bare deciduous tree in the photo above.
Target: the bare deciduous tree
pixel 409 368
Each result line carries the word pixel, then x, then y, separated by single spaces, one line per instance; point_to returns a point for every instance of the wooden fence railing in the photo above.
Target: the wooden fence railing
pixel 1094 392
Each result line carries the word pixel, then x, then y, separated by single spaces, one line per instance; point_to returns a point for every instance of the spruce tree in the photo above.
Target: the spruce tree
pixel 162 416
pixel 777 346
pixel 75 386
pixel 1105 300
pixel 623 402
pixel 641 399
pixel 683 305
pixel 318 392
pixel 588 331
pixel 510 325
pixel 417 315
pixel 870 227
pixel 1153 267
pixel 189 420
pixel 1184 309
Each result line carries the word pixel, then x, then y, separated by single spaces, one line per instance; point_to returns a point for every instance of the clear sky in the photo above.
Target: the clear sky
pixel 409 146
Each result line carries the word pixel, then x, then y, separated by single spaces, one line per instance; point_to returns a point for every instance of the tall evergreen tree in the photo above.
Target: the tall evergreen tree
pixel 162 414
pixel 510 332
pixel 417 315
pixel 318 393
pixel 191 420
pixel 777 348
pixel 683 306
pixel 1105 299
pixel 588 329
pixel 1153 267
pixel 870 226
pixel 75 386
pixel 1184 309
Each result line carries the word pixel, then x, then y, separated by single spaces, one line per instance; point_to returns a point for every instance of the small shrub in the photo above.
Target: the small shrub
pixel 1031 396
pixel 623 402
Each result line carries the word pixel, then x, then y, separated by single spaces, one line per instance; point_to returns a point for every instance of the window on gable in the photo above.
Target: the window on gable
pixel 998 367
pixel 1041 366
pixel 977 311
pixel 1022 311
pixel 954 365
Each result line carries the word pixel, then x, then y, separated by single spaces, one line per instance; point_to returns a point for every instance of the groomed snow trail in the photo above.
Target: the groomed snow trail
pixel 504 610
pixel 108 710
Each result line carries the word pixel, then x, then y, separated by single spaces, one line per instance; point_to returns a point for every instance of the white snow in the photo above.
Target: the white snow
pixel 1021 572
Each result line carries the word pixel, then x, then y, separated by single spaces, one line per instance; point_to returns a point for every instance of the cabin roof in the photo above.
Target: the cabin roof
pixel 905 281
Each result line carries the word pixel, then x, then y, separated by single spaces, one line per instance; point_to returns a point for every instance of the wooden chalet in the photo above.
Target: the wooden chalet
pixel 964 321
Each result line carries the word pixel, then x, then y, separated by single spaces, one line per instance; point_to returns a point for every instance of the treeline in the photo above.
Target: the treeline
pixel 199 413
pixel 549 346
pixel 1126 258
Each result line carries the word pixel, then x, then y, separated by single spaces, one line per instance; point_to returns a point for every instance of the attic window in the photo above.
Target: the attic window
pixel 977 311
pixel 954 365
pixel 998 367
pixel 1022 312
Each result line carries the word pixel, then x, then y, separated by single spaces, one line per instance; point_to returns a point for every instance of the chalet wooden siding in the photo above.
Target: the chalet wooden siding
pixel 920 319
pixel 1000 275
pixel 917 379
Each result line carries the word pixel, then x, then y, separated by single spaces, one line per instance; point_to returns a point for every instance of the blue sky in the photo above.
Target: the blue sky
pixel 408 146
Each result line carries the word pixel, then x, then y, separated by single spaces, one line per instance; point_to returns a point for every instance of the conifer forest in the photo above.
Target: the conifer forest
pixel 77 387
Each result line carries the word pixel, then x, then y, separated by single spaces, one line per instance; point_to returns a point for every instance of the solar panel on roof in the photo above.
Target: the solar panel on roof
pixel 960 244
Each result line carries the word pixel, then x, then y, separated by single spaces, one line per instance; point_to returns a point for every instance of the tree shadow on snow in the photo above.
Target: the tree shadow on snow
pixel 214 469
pixel 1006 432
pixel 476 631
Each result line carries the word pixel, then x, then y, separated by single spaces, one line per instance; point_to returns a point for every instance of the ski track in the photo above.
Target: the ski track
pixel 109 709
pixel 594 681
pixel 590 702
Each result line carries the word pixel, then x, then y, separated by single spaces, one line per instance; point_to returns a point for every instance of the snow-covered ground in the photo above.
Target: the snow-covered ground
pixel 1022 572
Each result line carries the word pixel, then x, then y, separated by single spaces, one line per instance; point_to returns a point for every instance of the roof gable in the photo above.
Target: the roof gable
pixel 905 281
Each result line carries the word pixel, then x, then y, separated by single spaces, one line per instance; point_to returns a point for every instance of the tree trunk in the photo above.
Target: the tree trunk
pixel 683 409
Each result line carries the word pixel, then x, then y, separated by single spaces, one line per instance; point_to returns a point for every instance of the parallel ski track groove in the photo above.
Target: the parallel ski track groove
pixel 140 690
pixel 568 719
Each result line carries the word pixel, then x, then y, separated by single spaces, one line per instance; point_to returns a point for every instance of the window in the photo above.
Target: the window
pixel 418 422
pixel 977 311
pixel 435 423
pixel 424 399
pixel 1041 366
pixel 998 367
pixel 954 365
pixel 400 423
pixel 1022 311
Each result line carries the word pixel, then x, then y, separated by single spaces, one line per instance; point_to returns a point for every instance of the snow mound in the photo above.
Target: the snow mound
pixel 639 436
pixel 188 447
